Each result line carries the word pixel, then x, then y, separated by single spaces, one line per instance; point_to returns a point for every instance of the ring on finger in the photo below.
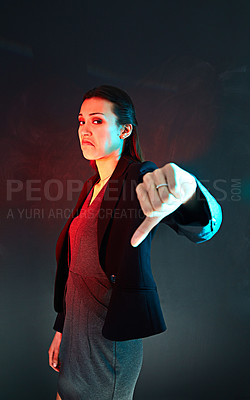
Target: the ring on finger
pixel 162 184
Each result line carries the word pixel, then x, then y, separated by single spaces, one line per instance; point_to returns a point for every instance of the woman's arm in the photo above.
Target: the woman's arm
pixel 54 349
pixel 59 322
pixel 199 218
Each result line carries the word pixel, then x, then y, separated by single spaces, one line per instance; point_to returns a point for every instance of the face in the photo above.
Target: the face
pixel 97 125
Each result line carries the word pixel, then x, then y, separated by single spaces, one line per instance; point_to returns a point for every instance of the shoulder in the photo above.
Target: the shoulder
pixel 138 169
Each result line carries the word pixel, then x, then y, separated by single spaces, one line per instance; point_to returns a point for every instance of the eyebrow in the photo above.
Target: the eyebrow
pixel 80 115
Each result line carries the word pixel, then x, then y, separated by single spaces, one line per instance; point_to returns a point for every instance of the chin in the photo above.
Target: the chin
pixel 87 156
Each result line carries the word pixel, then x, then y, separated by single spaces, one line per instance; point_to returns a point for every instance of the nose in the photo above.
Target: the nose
pixel 84 131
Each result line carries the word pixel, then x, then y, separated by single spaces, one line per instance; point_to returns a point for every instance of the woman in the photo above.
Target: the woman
pixel 105 294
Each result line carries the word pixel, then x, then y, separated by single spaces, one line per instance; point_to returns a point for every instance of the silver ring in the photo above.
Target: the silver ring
pixel 162 184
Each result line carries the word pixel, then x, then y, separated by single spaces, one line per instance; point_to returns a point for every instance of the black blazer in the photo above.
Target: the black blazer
pixel 134 310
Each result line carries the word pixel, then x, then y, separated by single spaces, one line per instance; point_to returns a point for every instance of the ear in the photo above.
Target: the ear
pixel 126 131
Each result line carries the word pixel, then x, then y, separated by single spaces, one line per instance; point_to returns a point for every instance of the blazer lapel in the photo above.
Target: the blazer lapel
pixel 111 197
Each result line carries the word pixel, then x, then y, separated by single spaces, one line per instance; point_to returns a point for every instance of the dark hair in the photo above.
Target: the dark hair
pixel 124 110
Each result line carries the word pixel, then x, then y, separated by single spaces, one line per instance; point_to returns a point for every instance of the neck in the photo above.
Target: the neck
pixel 106 166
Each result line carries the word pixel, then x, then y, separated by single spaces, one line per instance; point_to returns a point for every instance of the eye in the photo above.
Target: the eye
pixel 81 122
pixel 97 121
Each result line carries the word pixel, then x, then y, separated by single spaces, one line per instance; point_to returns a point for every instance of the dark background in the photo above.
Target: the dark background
pixel 186 66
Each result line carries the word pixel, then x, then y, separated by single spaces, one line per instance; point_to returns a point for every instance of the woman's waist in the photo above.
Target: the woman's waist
pixel 99 278
pixel 96 287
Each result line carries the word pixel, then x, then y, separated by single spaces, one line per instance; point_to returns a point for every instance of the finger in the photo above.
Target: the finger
pixel 149 222
pixel 155 196
pixel 148 195
pixel 143 230
pixel 144 200
pixel 57 368
pixel 51 353
pixel 55 358
pixel 171 175
pixel 51 363
pixel 50 359
pixel 162 193
pixel 146 205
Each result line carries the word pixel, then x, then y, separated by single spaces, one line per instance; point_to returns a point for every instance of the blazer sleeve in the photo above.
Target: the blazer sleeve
pixel 59 322
pixel 199 218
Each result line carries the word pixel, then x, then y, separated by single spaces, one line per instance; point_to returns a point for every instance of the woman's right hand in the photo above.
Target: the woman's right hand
pixel 54 361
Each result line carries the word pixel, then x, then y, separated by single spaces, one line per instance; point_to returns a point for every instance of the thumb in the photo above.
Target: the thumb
pixel 143 230
pixel 55 359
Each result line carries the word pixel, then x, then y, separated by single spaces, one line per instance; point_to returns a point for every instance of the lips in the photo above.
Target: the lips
pixel 87 142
